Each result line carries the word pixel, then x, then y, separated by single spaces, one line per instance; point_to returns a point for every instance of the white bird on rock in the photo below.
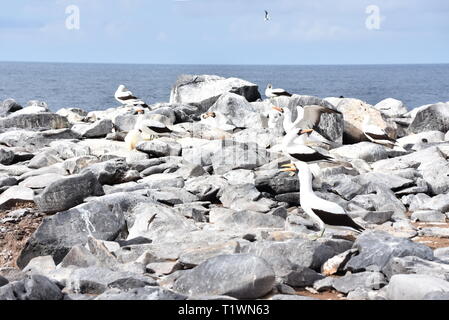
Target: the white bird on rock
pixel 145 129
pixel 287 121
pixel 272 93
pixel 298 145
pixel 126 97
pixel 376 134
pixel 321 211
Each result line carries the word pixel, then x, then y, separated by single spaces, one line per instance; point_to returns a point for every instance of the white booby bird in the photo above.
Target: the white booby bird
pixel 298 146
pixel 376 134
pixel 267 16
pixel 126 97
pixel 145 129
pixel 287 122
pixel 323 212
pixel 272 93
pixel 217 120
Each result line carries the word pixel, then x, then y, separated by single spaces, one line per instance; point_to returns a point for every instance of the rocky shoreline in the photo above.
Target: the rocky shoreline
pixel 206 214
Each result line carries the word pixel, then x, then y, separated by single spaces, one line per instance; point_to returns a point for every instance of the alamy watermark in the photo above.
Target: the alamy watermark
pixel 374 19
pixel 72 22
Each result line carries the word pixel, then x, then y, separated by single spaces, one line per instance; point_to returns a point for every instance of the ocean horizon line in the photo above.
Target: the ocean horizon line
pixel 229 64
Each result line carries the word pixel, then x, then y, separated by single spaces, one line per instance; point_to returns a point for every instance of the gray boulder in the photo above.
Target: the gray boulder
pixel 204 90
pixel 44 159
pixel 38 287
pixel 68 192
pixel 437 295
pixel 302 277
pixel 96 280
pixel 109 172
pixel 98 129
pixel 367 151
pixel 363 280
pixel 431 118
pixel 416 265
pixel 6 156
pixel 34 287
pixel 40 181
pixel 238 111
pixel 103 218
pixel 160 148
pixel 377 248
pixel 252 279
pixel 36 121
pixel 206 188
pixel 285 256
pixel 8 106
pixel 3 281
pixel 249 219
pixel 392 108
pixel 238 156
pixel 146 293
pixel 16 196
pixel 276 182
pixel 414 286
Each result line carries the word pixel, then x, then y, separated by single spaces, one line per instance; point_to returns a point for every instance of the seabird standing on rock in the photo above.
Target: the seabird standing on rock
pixel 126 97
pixel 217 120
pixel 287 122
pixel 376 134
pixel 144 130
pixel 323 212
pixel 272 93
pixel 297 147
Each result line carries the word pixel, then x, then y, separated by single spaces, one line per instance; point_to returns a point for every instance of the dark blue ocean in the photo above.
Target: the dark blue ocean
pixel 92 86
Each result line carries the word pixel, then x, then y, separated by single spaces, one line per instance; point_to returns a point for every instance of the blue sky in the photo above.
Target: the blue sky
pixel 226 32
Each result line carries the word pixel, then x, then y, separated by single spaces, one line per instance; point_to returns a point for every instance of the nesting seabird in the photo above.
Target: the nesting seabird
pixel 145 129
pixel 287 122
pixel 298 146
pixel 273 93
pixel 126 97
pixel 321 211
pixel 217 120
pixel 376 134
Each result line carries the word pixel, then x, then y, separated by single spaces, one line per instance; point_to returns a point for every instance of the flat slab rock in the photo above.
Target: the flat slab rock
pixel 376 248
pixel 252 279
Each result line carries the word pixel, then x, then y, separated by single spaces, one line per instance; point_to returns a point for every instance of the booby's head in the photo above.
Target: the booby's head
pixel 121 88
pixel 278 109
pixel 301 132
pixel 269 86
pixel 209 115
pixel 139 111
pixel 295 167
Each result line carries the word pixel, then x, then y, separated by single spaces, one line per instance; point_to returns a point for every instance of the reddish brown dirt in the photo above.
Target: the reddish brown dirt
pixel 13 236
pixel 432 242
pixel 326 295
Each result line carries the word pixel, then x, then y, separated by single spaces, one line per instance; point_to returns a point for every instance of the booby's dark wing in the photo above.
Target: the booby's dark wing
pixel 380 137
pixel 126 98
pixel 338 220
pixel 312 116
pixel 160 129
pixel 310 157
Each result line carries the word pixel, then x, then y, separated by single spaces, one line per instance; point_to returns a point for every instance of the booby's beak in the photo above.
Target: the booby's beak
pixel 140 111
pixel 305 131
pixel 209 115
pixel 278 109
pixel 289 168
